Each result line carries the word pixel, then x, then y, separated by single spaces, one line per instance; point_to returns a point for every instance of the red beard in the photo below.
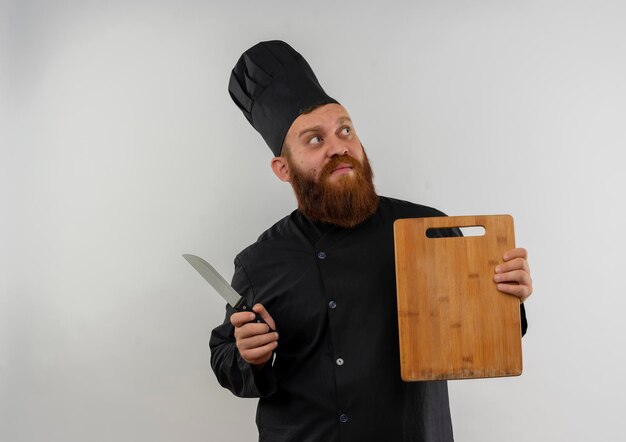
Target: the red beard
pixel 347 202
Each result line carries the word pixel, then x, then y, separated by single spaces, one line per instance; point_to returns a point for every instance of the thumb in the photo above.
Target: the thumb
pixel 263 313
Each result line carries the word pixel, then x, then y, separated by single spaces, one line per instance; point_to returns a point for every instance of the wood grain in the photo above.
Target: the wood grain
pixel 453 322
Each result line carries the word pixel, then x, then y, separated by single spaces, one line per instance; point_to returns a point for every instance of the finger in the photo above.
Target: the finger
pixel 251 329
pixel 240 318
pixel 256 341
pixel 259 355
pixel 519 276
pixel 515 253
pixel 521 291
pixel 263 313
pixel 515 264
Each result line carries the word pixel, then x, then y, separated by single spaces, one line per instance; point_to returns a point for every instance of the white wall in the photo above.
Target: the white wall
pixel 121 150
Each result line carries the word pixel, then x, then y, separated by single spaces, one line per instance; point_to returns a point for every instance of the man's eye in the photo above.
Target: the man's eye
pixel 315 140
pixel 346 130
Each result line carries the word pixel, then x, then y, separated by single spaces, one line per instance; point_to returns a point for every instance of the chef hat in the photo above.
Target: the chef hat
pixel 272 84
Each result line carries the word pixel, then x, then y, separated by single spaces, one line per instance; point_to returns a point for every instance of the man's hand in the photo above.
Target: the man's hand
pixel 513 277
pixel 255 341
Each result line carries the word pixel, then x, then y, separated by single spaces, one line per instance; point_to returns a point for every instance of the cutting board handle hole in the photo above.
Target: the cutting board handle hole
pixel 447 232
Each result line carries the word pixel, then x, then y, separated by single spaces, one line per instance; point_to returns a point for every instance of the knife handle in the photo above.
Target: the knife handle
pixel 243 307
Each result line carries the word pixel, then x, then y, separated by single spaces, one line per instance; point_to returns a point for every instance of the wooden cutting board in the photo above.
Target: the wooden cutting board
pixel 453 322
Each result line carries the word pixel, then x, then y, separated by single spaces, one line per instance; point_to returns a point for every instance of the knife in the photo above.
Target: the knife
pixel 222 287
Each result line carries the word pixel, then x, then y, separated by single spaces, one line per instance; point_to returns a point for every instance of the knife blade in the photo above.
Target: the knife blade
pixel 220 285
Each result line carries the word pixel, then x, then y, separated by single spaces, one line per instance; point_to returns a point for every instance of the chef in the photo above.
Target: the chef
pixel 326 365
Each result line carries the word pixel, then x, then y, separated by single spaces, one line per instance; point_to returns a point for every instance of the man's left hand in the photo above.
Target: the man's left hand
pixel 513 276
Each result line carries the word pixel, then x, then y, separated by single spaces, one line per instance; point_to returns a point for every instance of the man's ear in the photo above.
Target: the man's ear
pixel 280 168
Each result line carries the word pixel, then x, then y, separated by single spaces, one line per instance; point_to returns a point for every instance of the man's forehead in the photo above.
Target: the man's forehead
pixel 328 114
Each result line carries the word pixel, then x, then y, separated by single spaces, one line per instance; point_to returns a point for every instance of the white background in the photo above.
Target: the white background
pixel 121 150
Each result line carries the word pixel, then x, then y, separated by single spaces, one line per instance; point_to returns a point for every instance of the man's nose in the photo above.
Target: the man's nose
pixel 336 147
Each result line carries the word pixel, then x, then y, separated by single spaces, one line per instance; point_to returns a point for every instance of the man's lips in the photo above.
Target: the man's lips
pixel 341 169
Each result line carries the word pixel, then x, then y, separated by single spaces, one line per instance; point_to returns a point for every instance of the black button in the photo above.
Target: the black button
pixel 321 255
pixel 332 304
pixel 343 418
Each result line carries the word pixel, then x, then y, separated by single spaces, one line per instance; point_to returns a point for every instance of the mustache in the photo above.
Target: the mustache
pixel 338 160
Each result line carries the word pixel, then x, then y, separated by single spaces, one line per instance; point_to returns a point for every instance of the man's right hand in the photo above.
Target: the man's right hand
pixel 255 341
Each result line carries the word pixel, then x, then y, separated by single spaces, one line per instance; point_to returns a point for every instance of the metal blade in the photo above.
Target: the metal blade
pixel 214 278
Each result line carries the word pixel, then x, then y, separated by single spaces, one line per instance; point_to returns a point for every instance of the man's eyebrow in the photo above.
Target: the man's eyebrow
pixel 309 129
pixel 318 128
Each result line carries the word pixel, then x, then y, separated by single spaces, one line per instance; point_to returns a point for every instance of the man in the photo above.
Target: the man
pixel 326 366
